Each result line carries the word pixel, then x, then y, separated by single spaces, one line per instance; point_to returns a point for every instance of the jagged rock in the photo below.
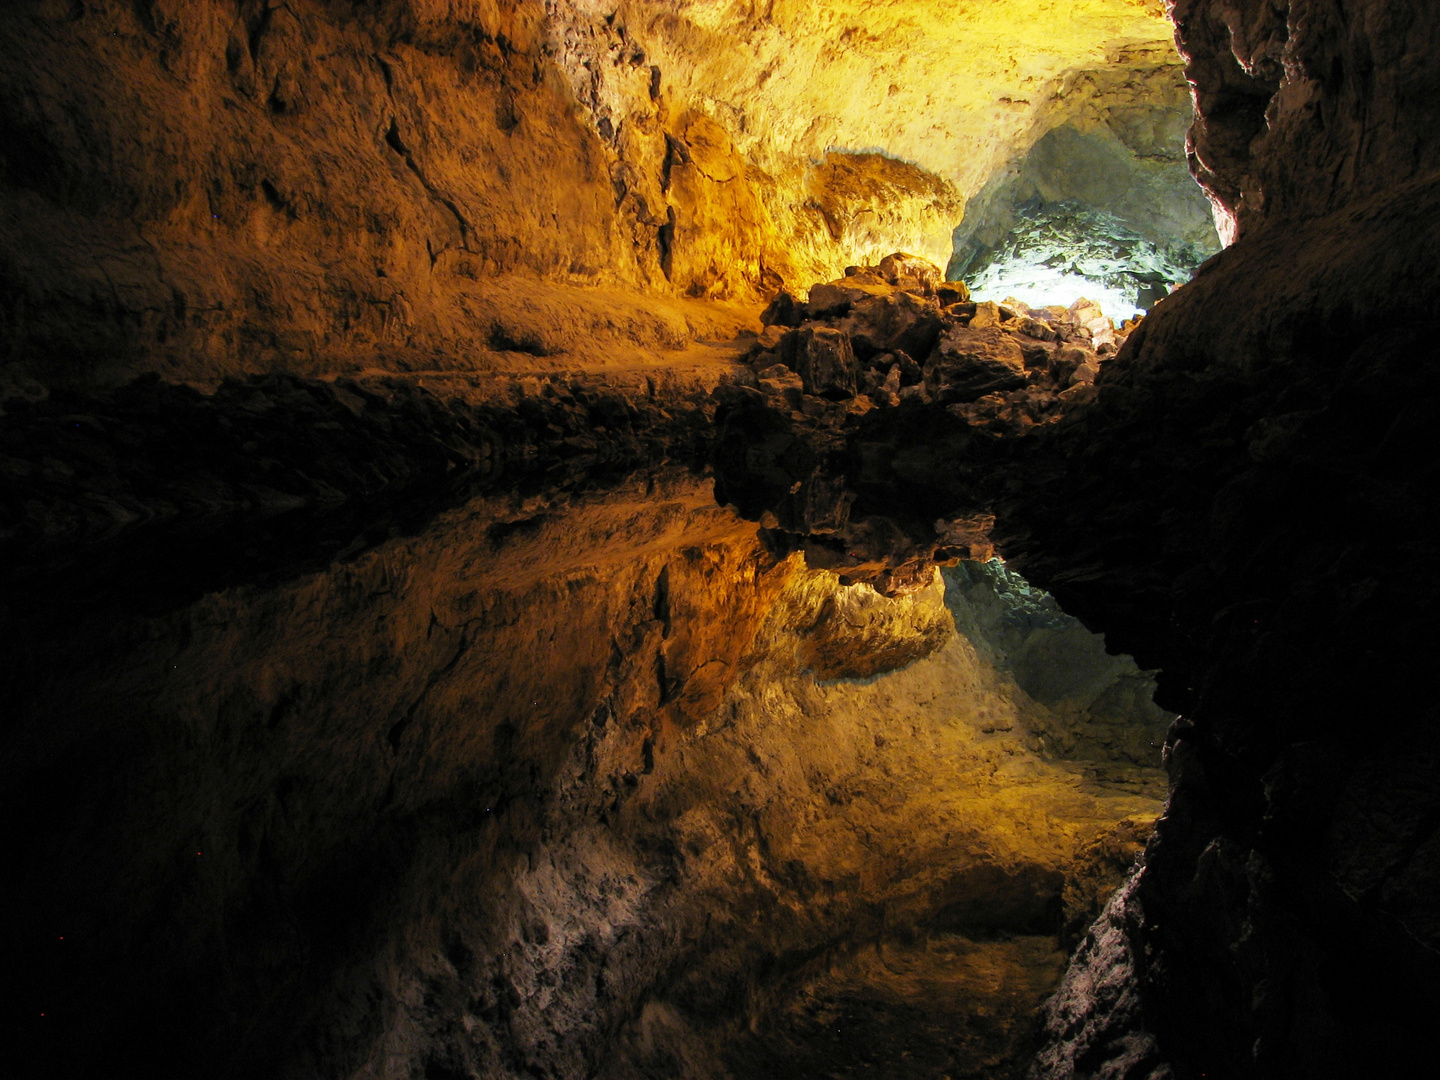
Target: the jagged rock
pixel 909 271
pixel 904 322
pixel 987 314
pixel 910 372
pixel 783 310
pixel 1035 328
pixel 888 390
pixel 970 363
pixel 780 380
pixel 1070 360
pixel 952 292
pixel 771 337
pixel 1038 355
pixel 823 358
pixel 835 297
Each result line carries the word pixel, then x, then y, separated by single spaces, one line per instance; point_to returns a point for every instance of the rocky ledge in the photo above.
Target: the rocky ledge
pixel 881 375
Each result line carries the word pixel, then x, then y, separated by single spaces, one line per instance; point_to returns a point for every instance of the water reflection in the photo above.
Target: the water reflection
pixel 586 780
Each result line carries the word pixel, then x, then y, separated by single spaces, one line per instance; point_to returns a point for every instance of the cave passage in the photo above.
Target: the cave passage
pixel 1102 206
pixel 1057 254
pixel 502 508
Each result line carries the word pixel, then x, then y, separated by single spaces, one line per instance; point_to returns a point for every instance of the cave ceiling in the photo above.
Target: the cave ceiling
pixel 951 86
pixel 956 92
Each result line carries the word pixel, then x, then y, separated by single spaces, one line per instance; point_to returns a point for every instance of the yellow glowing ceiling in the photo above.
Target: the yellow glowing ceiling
pixel 952 85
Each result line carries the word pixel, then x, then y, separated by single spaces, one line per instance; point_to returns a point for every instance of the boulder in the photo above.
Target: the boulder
pixel 824 360
pixel 1035 328
pixel 905 270
pixel 771 336
pixel 1084 311
pixel 969 363
pixel 952 292
pixel 1074 363
pixel 910 372
pixel 783 310
pixel 835 297
pixel 1038 355
pixel 987 314
pixel 903 321
pixel 779 381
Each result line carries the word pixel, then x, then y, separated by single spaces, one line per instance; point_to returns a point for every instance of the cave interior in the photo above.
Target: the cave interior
pixel 701 540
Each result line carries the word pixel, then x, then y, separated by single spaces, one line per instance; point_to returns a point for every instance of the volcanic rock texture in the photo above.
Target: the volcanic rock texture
pixel 1284 925
pixel 221 188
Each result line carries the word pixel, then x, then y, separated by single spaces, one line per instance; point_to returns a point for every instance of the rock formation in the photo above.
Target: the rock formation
pixel 628 783
pixel 228 188
pixel 389 692
pixel 1103 195
pixel 1279 390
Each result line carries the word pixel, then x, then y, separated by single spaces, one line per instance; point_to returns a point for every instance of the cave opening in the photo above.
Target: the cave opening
pixel 1101 206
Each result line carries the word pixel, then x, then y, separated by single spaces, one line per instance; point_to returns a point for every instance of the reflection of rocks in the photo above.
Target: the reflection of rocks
pixel 279 472
pixel 1103 701
pixel 877 405
pixel 562 784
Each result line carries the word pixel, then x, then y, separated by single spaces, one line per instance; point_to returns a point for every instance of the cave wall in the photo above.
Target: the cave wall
pixel 229 187
pixel 1305 106
pixel 1282 925
pixel 211 188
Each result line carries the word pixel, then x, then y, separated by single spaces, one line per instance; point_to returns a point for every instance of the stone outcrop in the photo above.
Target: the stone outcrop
pixel 1304 107
pixel 840 468
pixel 1283 391
pixel 1274 397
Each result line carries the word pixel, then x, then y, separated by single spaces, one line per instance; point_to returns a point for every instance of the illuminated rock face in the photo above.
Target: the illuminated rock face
pixel 208 188
pixel 1102 199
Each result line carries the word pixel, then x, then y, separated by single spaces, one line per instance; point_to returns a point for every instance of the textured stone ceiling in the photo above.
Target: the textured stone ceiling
pixel 943 95
pixel 951 86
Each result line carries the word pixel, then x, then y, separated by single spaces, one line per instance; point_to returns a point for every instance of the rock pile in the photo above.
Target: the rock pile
pixel 819 447
pixel 895 332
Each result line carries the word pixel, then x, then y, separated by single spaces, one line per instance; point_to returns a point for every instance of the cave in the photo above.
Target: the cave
pixel 716 541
